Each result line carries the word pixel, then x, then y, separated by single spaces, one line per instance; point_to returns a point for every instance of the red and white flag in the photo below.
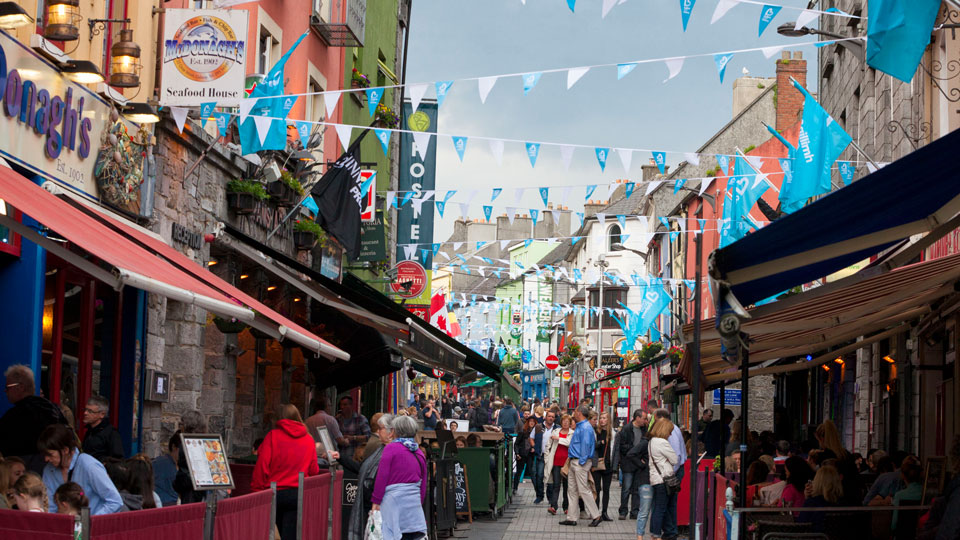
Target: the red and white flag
pixel 438 311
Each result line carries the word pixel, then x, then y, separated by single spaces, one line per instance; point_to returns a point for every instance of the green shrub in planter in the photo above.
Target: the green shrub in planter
pixel 243 195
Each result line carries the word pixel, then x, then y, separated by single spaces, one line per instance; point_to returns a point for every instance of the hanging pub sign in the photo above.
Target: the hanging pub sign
pixel 204 53
pixel 55 127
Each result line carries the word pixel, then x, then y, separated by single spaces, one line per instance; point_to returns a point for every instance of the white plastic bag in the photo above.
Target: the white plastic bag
pixel 374 530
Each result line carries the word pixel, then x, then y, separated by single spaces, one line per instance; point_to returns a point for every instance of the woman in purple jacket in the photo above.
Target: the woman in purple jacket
pixel 401 484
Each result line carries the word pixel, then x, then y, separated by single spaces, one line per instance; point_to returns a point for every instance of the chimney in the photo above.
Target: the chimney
pixel 650 171
pixel 592 207
pixel 789 99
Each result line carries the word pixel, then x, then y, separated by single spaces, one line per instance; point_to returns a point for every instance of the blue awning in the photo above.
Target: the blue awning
pixel 910 196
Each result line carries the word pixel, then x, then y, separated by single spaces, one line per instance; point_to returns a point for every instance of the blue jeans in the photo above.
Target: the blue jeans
pixel 628 487
pixel 664 513
pixel 646 499
pixel 537 476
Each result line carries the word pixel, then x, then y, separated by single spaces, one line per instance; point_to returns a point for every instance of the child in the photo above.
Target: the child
pixel 30 494
pixel 70 500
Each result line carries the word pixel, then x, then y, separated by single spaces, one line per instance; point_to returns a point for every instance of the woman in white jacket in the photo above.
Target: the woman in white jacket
pixel 553 463
pixel 662 460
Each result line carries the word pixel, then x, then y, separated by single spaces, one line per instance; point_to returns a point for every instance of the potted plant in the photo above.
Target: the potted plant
pixel 386 117
pixel 570 354
pixel 286 191
pixel 243 195
pixel 229 326
pixel 306 234
pixel 359 80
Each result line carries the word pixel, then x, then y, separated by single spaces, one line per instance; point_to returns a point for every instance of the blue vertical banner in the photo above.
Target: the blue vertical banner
pixel 417 175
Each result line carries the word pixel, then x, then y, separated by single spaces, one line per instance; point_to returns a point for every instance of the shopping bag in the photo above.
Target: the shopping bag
pixel 374 530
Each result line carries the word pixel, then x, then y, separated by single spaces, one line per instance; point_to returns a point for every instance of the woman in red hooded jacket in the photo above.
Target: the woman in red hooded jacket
pixel 286 451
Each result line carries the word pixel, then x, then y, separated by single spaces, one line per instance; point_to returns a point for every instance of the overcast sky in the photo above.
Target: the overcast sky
pixel 452 39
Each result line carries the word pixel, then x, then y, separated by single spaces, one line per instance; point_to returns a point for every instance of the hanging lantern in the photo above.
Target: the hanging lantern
pixel 62 19
pixel 125 61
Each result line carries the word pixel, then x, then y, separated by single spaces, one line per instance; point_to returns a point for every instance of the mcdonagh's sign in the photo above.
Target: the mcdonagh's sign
pixel 204 56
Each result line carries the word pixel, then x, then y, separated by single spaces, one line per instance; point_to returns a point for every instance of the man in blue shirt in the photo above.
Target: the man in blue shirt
pixel 580 453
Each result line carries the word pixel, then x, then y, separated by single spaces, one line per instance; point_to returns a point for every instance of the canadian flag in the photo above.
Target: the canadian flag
pixel 438 311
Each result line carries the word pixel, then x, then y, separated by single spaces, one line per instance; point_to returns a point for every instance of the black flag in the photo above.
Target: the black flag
pixel 340 200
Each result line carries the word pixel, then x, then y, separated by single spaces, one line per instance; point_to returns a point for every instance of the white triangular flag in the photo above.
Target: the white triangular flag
pixel 180 116
pixel 485 84
pixel 566 155
pixel 610 189
pixel 245 106
pixel 704 184
pixel 574 74
pixel 674 65
pixel 417 206
pixel 601 217
pixel 416 95
pixel 756 161
pixel 503 244
pixel 652 186
pixel 692 158
pixel 564 195
pixel 422 141
pixel 607 6
pixel 469 195
pixel 805 17
pixel 330 100
pixel 391 199
pixel 518 195
pixel 511 214
pixel 626 157
pixel 496 148
pixel 409 251
pixel 480 271
pixel 343 133
pixel 464 210
pixel 769 52
pixel 263 127
pixel 456 247
pixel 556 217
pixel 722 8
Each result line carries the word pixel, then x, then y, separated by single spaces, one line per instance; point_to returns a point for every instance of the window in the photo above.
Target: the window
pixel 611 299
pixel 613 236
pixel 269 51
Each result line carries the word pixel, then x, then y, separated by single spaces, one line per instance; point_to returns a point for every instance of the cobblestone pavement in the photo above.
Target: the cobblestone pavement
pixel 523 520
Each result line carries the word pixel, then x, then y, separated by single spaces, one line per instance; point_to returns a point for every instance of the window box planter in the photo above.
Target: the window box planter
pixel 242 203
pixel 283 194
pixel 304 240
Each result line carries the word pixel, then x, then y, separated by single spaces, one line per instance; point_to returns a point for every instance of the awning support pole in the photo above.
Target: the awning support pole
pixel 695 383
pixel 723 405
pixel 744 408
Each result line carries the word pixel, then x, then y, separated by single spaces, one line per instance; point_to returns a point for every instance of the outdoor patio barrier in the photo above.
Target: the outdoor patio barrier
pixel 183 522
pixel 35 525
pixel 242 477
pixel 828 523
pixel 336 502
pixel 312 506
pixel 247 517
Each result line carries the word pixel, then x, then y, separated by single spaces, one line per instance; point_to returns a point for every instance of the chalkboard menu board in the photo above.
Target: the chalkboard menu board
pixel 461 490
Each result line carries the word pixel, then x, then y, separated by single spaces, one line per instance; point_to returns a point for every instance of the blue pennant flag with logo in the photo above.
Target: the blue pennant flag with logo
pixel 374 95
pixel 660 158
pixel 655 300
pixel 268 104
pixel 442 88
pixel 571 4
pixel 487 212
pixel 677 184
pixel 722 60
pixel 628 189
pixel 624 69
pixel 481 244
pixel 529 81
pixel 460 144
pixel 495 193
pixel 303 130
pixel 898 32
pixel 589 192
pixel 702 223
pixel 441 206
pixel 534 213
pixel 847 170
pixel 749 188
pixel 383 135
pixel 223 120
pixel 724 162
pixel 664 222
pixel 544 194
pixel 436 248
pixel 767 14
pixel 622 220
pixel 206 111
pixel 686 8
pixel 406 198
pixel 602 154
pixel 533 150
pixel 580 215
pixel 574 240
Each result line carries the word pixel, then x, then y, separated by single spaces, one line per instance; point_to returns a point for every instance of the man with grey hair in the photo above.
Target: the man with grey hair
pixel 582 446
pixel 30 415
pixel 101 440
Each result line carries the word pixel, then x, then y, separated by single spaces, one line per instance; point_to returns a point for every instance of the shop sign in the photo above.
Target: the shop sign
pixel 535 377
pixel 331 261
pixel 420 310
pixel 417 175
pixel 732 397
pixel 50 124
pixel 185 236
pixel 412 273
pixel 373 243
pixel 204 56
pixel 370 202
pixel 566 375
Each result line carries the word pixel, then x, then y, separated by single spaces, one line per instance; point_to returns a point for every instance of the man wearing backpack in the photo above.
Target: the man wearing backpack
pixel 509 419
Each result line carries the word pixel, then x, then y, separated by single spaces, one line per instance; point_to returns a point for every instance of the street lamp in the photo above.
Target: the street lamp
pixel 602 264
pixel 790 30
pixel 620 247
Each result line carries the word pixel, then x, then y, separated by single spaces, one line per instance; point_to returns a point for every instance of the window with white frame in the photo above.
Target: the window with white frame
pixel 268 51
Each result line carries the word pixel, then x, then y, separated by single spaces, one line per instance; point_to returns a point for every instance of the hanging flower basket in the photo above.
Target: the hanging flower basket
pixel 304 240
pixel 386 117
pixel 359 80
pixel 243 195
pixel 229 326
pixel 307 234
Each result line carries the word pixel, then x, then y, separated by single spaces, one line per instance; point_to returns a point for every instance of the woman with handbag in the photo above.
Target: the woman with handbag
pixel 665 484
pixel 554 462
pixel 524 452
pixel 603 458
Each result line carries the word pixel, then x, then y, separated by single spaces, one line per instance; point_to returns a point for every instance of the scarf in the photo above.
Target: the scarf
pixel 408 443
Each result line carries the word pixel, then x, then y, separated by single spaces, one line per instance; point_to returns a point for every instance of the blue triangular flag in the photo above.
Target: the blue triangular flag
pixel 287 105
pixel 481 244
pixel 590 190
pixel 373 99
pixel 303 130
pixel 898 32
pixel 365 186
pixel 623 238
pixel 268 103
pixel 629 189
pixel 580 215
pixel 534 213
pixel 623 224
pixel 544 194
pixel 223 120
pixel 570 4
pixel 436 248
pixel 406 198
pixel 527 242
pixel 847 169
pixel 767 13
pixel 624 69
pixel 602 154
pixel 660 158
pixel 686 8
pixel 674 235
pixel 691 284
pixel 724 163
pixel 442 88
pixel 449 194
pixel 533 150
pixel 311 205
pixel 423 254
pixel 487 212
pixel 722 60
pixel 495 193
pixel 664 222
pixel 206 111
pixel 702 223
pixel 529 81
pixel 574 240
pixel 383 135
pixel 677 184
pixel 460 144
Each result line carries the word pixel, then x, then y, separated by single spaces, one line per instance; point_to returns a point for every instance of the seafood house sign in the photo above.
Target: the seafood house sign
pixel 204 57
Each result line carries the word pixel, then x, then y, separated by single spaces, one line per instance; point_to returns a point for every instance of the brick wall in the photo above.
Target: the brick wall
pixel 789 99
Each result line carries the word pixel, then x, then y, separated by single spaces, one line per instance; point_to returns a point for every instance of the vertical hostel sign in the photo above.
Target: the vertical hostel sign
pixel 417 175
pixel 204 54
